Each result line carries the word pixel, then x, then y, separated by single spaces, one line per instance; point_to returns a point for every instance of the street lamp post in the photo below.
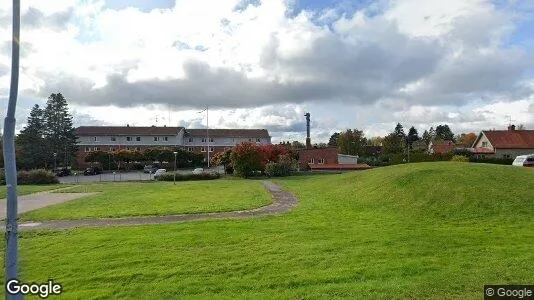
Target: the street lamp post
pixel 174 179
pixel 55 167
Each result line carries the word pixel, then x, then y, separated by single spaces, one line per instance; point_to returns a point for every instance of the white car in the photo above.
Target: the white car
pixel 159 172
pixel 198 171
pixel 524 161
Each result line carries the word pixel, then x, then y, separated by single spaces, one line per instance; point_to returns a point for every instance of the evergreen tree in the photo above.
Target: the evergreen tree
pixel 426 137
pixel 444 133
pixel 29 142
pixel 412 137
pixel 431 134
pixel 399 131
pixel 334 139
pixel 59 132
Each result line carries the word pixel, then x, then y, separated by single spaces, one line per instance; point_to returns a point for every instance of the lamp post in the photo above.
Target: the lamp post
pixel 174 177
pixel 55 167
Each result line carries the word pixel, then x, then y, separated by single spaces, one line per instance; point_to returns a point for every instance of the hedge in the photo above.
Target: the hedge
pixel 39 176
pixel 185 177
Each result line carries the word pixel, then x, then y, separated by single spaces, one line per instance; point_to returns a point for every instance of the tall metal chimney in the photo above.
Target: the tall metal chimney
pixel 308 140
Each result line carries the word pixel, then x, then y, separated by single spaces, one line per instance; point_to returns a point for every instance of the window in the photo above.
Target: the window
pixel 137 149
pixel 138 138
pixel 95 138
pixel 484 144
pixel 506 156
pixel 155 139
pixel 320 161
pixel 166 139
pixel 112 149
pixel 97 148
pixel 190 149
pixel 310 161
pixel 128 138
pixel 203 140
pixel 203 149
pixel 211 140
pixel 190 140
pixel 113 138
pixel 87 149
pixel 211 149
pixel 250 140
pixel 258 140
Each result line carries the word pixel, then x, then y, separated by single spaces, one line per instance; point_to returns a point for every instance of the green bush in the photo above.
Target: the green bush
pixel 460 158
pixel 185 177
pixel 283 167
pixel 39 176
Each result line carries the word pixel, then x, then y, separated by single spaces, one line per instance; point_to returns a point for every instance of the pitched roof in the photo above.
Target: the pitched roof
pixel 511 139
pixel 480 150
pixel 238 133
pixel 126 130
pixel 443 147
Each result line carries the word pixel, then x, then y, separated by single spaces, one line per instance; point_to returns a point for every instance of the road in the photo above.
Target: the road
pixel 127 176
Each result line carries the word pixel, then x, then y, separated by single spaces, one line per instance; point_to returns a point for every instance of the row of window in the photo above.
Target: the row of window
pixel 190 140
pixel 113 149
pixel 137 138
pixel 320 161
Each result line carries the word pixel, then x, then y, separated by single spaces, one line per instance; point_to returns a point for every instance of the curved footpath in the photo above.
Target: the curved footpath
pixel 283 201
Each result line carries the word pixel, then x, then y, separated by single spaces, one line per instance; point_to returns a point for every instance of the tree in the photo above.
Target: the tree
pixel 247 157
pixel 467 140
pixel 399 131
pixel 393 144
pixel 444 133
pixel 376 141
pixel 30 141
pixel 334 139
pixel 297 145
pixel 223 159
pixel 426 137
pixel 352 142
pixel 59 135
pixel 412 137
pixel 521 127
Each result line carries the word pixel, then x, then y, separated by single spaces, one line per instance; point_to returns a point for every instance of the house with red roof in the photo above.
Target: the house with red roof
pixel 504 143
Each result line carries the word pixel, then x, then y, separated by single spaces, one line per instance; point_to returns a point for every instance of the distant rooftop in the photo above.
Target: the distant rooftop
pixel 126 130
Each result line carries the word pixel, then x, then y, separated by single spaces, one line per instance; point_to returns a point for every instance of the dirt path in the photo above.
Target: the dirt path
pixel 282 202
pixel 40 200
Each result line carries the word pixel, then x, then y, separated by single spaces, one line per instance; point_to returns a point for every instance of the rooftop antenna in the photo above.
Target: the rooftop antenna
pixel 509 120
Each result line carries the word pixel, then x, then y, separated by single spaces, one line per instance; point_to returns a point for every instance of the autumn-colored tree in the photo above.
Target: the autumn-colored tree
pixel 247 157
pixel 467 139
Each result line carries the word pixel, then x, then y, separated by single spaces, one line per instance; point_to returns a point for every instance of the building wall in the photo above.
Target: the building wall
pixel 145 140
pixel 347 159
pixel 327 155
pixel 511 153
pixel 483 141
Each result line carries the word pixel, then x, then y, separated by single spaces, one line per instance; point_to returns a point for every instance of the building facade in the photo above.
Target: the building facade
pixel 504 143
pixel 115 138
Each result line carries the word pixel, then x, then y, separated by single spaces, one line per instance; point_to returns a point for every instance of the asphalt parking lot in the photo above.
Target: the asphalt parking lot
pixel 116 176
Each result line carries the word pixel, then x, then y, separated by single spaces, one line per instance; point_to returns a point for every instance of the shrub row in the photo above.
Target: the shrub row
pixel 185 177
pixel 39 176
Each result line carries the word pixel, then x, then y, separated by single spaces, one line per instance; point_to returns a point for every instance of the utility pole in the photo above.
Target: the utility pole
pixel 11 252
pixel 208 135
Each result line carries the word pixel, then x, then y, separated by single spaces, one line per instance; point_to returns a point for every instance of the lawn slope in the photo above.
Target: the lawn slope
pixel 155 198
pixel 429 230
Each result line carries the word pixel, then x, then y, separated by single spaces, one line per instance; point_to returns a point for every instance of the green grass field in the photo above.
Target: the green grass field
pixel 155 198
pixel 30 189
pixel 429 230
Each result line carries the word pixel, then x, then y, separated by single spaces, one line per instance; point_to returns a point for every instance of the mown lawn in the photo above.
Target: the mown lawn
pixel 30 189
pixel 155 198
pixel 429 230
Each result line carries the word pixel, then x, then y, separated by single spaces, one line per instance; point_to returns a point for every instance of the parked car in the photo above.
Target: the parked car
pixel 159 172
pixel 150 169
pixel 61 172
pixel 92 171
pixel 524 161
pixel 198 171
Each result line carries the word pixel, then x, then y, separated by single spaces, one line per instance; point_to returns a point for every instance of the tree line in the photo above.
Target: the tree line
pixel 48 137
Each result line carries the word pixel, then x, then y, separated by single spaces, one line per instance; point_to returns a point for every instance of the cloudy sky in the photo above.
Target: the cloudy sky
pixel 263 64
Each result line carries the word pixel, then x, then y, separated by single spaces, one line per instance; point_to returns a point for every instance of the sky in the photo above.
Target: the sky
pixel 263 64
